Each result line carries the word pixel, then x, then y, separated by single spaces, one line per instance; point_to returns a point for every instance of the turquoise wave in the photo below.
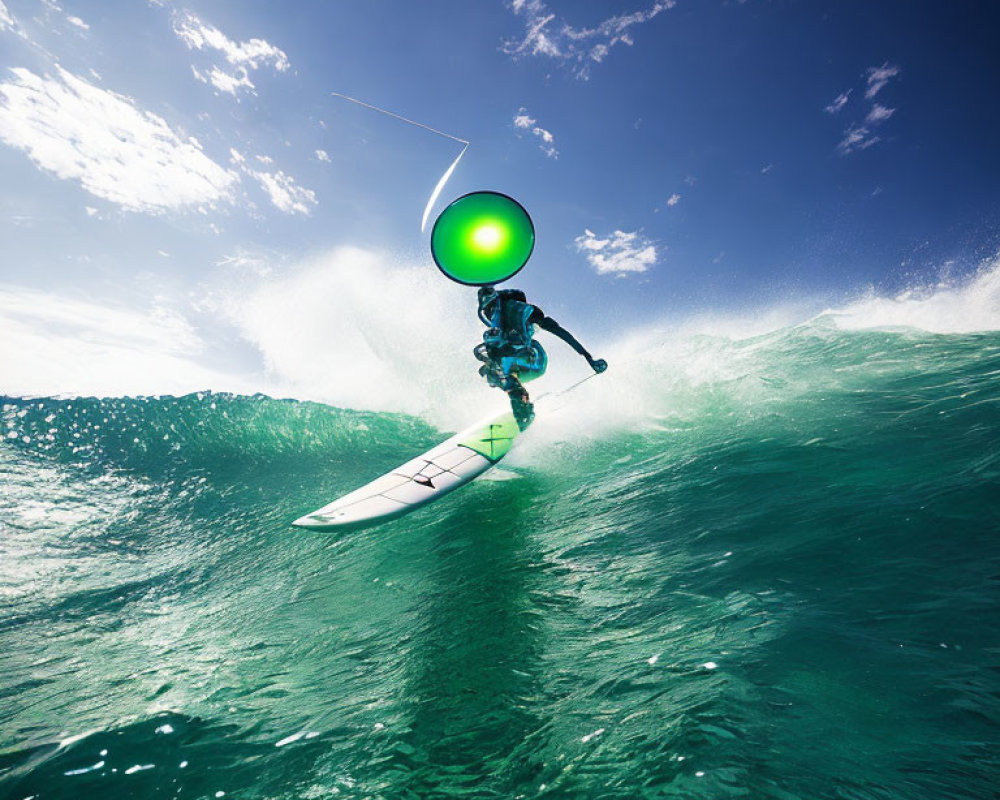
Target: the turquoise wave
pixel 774 574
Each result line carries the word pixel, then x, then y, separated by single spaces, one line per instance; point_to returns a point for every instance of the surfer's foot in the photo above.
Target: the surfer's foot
pixel 524 411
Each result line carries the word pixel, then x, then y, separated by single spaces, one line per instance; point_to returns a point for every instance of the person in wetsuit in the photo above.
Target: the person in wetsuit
pixel 509 352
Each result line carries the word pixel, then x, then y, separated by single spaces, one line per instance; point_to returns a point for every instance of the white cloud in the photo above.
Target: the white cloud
pixel 223 81
pixel 619 254
pixel 249 263
pixel 857 137
pixel 252 54
pixel 322 155
pixel 284 193
pixel 581 47
pixel 50 15
pixel 860 136
pixel 547 141
pixel 6 20
pixel 78 131
pixel 536 40
pixel 839 102
pixel 673 200
pixel 242 57
pixel 280 187
pixel 878 77
pixel 878 114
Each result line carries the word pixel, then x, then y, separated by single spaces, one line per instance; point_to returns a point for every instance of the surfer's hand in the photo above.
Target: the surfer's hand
pixel 599 364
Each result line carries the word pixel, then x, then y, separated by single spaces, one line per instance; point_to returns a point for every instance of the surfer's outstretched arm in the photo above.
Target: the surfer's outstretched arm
pixel 553 327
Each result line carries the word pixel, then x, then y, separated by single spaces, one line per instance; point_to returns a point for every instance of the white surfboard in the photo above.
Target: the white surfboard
pixel 450 465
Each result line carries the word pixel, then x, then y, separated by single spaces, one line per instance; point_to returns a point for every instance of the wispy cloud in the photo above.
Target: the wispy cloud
pixel 78 131
pixel 523 122
pixel 878 114
pixel 673 200
pixel 242 57
pixel 857 137
pixel 8 22
pixel 861 135
pixel 545 35
pixel 249 262
pixel 838 103
pixel 227 82
pixel 619 254
pixel 284 193
pixel 282 190
pixel 878 77
pixel 50 16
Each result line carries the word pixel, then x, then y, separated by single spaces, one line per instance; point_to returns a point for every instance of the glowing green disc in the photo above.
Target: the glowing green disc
pixel 482 238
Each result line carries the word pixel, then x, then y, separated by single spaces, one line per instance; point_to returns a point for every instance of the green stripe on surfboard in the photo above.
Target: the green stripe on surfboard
pixel 494 439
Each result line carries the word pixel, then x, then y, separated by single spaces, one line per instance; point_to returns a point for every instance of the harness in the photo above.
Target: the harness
pixel 508 332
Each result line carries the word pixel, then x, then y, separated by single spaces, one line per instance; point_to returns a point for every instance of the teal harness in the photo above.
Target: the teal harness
pixel 509 337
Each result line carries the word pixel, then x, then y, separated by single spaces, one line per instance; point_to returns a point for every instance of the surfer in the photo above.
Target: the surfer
pixel 509 352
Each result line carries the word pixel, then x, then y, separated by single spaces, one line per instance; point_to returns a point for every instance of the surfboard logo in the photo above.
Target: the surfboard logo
pixel 493 439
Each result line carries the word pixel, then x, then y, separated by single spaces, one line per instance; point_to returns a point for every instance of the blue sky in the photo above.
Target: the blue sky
pixel 168 164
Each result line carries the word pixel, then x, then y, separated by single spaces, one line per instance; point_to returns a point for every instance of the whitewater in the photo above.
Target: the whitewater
pixel 758 558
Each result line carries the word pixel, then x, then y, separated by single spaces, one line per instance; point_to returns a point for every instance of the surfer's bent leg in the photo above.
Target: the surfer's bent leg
pixel 520 404
pixel 508 372
pixel 516 370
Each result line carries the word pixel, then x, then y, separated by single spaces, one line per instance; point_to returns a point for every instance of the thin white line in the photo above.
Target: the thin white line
pixel 399 116
pixel 447 174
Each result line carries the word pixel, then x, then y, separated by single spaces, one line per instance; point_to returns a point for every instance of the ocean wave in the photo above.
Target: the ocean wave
pixel 361 330
pixel 731 560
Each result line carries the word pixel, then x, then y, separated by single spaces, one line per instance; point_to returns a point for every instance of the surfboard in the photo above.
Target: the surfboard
pixel 426 478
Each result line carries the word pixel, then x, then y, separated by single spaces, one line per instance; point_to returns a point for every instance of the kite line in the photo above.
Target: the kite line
pixel 447 173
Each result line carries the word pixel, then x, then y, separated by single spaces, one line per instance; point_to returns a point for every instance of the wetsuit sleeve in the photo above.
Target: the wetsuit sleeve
pixel 553 327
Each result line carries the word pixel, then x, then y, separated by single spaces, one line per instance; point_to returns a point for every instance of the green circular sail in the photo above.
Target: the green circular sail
pixel 482 238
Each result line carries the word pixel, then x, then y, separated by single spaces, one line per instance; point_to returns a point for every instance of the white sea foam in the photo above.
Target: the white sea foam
pixel 69 346
pixel 365 330
pixel 967 306
pixel 362 330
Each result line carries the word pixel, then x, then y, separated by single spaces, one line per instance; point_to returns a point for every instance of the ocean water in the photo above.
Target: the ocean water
pixel 764 567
